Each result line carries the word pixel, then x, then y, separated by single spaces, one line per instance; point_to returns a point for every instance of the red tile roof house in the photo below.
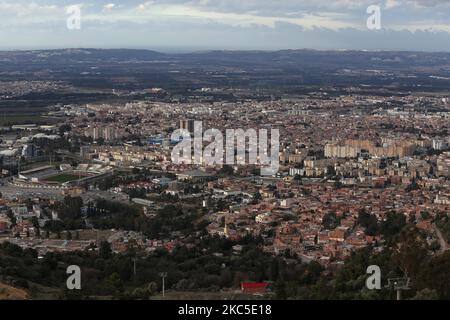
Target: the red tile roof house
pixel 3 226
pixel 254 287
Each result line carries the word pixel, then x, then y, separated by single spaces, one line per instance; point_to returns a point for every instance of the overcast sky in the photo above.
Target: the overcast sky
pixel 422 25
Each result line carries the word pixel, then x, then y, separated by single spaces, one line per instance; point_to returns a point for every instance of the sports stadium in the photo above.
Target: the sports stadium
pixel 64 176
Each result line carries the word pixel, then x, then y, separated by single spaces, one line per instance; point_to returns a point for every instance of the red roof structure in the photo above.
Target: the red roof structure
pixel 254 287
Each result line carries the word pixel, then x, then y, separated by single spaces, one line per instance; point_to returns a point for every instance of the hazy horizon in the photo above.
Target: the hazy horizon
pixel 200 50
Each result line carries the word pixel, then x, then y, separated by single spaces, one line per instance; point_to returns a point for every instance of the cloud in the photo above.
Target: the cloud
pixel 109 6
pixel 24 9
pixel 428 3
pixel 392 4
pixel 243 22
pixel 152 10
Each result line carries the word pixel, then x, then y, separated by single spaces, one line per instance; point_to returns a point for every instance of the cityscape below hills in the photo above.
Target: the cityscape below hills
pixel 91 183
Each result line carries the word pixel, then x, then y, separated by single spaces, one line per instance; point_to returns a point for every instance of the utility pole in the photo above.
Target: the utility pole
pixel 163 275
pixel 399 284
pixel 134 268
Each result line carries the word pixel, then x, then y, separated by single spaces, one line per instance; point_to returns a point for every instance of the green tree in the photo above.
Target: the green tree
pixel 330 221
pixel 105 250
pixel 369 223
pixel 392 225
pixel 411 252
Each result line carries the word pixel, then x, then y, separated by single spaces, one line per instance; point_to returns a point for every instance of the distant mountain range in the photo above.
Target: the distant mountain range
pixel 266 69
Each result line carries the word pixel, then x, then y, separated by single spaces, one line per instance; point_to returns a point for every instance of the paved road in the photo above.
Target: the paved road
pixel 442 242
pixel 10 192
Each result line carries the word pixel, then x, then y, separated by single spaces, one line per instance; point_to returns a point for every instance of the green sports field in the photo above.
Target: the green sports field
pixel 64 177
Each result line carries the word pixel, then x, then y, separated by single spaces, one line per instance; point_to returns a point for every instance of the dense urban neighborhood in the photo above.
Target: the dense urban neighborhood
pixel 88 176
